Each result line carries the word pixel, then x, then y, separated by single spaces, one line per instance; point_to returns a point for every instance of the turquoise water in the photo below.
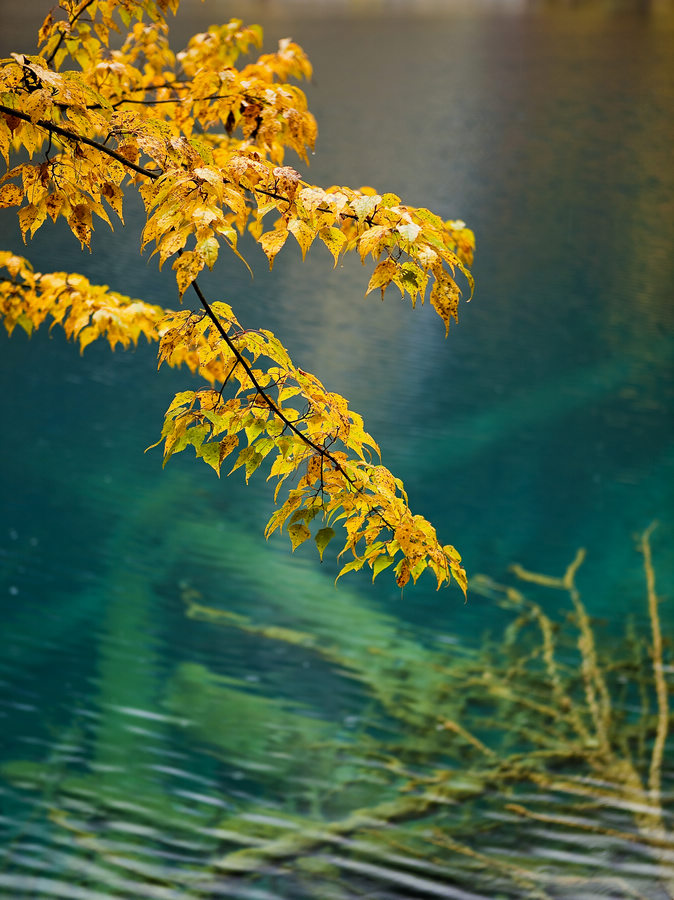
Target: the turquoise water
pixel 542 424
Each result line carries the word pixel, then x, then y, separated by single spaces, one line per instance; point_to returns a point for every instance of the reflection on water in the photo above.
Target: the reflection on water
pixel 528 766
pixel 152 753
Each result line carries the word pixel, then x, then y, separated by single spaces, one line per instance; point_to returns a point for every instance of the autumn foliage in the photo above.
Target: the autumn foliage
pixel 202 137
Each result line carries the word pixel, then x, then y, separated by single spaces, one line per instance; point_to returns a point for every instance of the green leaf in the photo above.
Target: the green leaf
pixel 252 463
pixel 381 562
pixel 242 459
pixel 298 534
pixel 26 323
pixel 323 538
pixel 210 453
pixel 196 436
pixel 254 429
pixel 208 250
pixel 354 566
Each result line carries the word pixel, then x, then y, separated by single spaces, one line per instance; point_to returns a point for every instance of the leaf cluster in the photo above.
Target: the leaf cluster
pixel 202 135
pixel 318 438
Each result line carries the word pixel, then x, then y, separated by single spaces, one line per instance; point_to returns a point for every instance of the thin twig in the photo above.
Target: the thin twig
pixel 63 30
pixel 655 772
pixel 258 387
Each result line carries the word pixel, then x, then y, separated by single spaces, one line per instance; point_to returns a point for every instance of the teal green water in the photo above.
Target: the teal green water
pixel 542 424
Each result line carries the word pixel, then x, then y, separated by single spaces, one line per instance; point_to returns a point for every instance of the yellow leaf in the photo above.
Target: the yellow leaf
pixel 412 279
pixel 254 429
pixel 354 566
pixel 114 196
pixel 334 240
pixel 226 446
pixel 250 458
pixel 212 176
pixel 182 398
pixel 402 572
pixel 382 276
pixel 187 267
pixel 426 256
pixel 445 295
pixel 364 206
pixel 272 242
pixel 373 240
pixel 304 235
pixel 409 231
pixel 389 200
pixel 14 264
pixel 210 453
pixel 54 204
pixel 451 553
pixel 207 248
pixel 27 215
pixel 5 137
pixel 311 197
pixel 10 195
pixel 86 336
pixel 298 534
pixel 457 569
pixel 323 538
pixel 37 103
pixel 287 180
pixel 459 574
pixel 80 223
pixel 172 241
pixel 45 29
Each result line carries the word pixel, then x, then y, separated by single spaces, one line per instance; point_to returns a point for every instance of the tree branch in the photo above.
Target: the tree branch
pixel 322 451
pixel 74 19
pixel 655 773
pixel 258 387
pixel 52 128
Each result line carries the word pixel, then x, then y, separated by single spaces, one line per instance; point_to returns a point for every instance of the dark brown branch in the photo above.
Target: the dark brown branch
pixel 228 376
pixel 157 102
pixel 322 451
pixel 256 384
pixel 63 30
pixel 276 196
pixel 52 128
pixel 149 173
pixel 258 387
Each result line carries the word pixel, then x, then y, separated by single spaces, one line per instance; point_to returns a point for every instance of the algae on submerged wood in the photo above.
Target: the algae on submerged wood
pixel 539 729
pixel 532 765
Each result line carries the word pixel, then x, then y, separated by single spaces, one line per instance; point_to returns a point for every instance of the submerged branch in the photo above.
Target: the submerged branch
pixel 655 772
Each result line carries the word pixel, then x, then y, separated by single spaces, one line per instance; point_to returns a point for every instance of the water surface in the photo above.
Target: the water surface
pixel 542 424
